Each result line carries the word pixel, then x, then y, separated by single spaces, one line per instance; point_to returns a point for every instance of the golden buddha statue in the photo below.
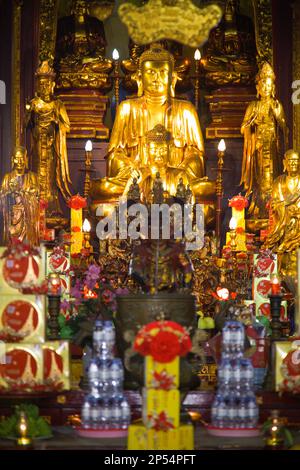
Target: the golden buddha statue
pixel 19 201
pixel 80 49
pixel 155 105
pixel 229 54
pixel 261 157
pixel 48 120
pixel 284 235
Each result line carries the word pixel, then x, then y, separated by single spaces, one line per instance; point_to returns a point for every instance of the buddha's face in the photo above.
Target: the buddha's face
pixel 19 161
pixel 265 87
pixel 292 165
pixel 45 88
pixel 158 154
pixel 156 77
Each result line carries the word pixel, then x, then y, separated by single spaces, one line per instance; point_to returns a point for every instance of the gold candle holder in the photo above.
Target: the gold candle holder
pixel 22 426
pixel 86 228
pixel 219 190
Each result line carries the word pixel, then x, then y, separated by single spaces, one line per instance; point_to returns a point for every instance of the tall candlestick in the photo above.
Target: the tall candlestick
pixel 116 56
pixel 297 303
pixel 219 190
pixel 87 168
pixel 197 57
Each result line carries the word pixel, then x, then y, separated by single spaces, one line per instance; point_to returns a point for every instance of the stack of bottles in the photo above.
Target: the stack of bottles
pixel 235 404
pixel 105 406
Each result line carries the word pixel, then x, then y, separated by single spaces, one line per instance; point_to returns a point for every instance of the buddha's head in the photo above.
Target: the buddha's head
pixel 19 160
pixel 156 76
pixel 45 81
pixel 265 81
pixel 158 140
pixel 79 8
pixel 291 162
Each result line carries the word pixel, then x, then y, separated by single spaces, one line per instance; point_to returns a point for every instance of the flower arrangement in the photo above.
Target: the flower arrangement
pixel 163 340
pixel 238 202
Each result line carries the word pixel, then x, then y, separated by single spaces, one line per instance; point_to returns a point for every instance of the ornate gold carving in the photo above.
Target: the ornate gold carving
pixel 263 30
pixel 179 20
pixel 48 25
pixel 296 71
pixel 101 9
pixel 16 86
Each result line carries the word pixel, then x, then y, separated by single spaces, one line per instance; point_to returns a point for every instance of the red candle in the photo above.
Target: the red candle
pixel 275 285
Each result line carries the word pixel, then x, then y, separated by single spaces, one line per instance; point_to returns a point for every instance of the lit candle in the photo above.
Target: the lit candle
pixel 223 293
pixel 222 146
pixel 86 228
pixel 54 284
pixel 275 284
pixel 197 57
pixel 116 56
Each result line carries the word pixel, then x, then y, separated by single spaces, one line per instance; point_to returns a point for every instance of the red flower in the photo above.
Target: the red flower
pixel 186 345
pixel 142 346
pixel 77 202
pixel 162 380
pixel 164 347
pixel 238 202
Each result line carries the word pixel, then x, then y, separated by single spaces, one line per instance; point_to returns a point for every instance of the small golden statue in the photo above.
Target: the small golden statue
pixel 134 191
pixel 261 157
pixel 180 190
pixel 284 236
pixel 158 190
pixel 48 120
pixel 155 105
pixel 19 201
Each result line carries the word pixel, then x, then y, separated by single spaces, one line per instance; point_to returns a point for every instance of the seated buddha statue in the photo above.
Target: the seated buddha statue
pixel 229 54
pixel 284 234
pixel 136 117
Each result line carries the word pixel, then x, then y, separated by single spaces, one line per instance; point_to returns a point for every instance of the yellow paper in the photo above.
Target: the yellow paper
pixel 282 349
pixel 24 317
pixel 141 438
pixel 156 402
pixel 58 368
pixel 171 369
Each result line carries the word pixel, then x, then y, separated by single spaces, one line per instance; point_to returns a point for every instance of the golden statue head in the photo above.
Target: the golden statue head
pixel 79 8
pixel 156 75
pixel 265 81
pixel 291 162
pixel 45 81
pixel 158 140
pixel 19 159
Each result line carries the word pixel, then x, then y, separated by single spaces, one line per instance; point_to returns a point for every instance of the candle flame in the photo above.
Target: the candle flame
pixel 86 226
pixel 222 146
pixel 197 55
pixel 115 54
pixel 89 146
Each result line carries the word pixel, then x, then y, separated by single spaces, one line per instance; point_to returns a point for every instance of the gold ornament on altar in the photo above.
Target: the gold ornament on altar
pixel 179 20
pixel 284 234
pixel 261 157
pixel 47 118
pixel 154 132
pixel 19 200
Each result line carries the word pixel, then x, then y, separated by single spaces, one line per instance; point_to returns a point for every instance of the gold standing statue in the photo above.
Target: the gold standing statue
pixel 284 236
pixel 19 201
pixel 47 118
pixel 154 109
pixel 261 157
